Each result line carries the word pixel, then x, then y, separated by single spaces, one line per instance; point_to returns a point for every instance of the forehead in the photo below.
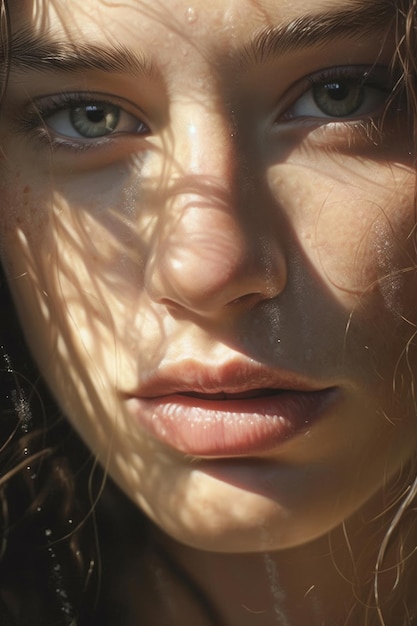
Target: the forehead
pixel 84 15
pixel 180 39
pixel 164 24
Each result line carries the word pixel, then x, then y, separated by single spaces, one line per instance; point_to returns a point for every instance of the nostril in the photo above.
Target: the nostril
pixel 208 264
pixel 247 300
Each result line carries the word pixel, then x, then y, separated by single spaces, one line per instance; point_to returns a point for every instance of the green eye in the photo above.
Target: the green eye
pixel 95 120
pixel 339 98
pixel 341 92
pixel 77 117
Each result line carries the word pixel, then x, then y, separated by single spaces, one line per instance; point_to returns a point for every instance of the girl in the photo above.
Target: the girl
pixel 208 234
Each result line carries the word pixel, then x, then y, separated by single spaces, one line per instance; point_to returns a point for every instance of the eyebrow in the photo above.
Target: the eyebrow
pixel 355 20
pixel 31 51
pixel 41 52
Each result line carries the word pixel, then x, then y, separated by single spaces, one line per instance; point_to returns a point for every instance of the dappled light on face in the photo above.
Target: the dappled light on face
pixel 365 224
pixel 209 236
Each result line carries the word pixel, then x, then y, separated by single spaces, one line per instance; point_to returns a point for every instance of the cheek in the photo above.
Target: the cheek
pixel 23 223
pixel 355 230
pixel 75 268
pixel 65 267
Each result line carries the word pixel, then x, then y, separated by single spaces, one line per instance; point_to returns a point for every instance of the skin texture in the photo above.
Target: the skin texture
pixel 236 229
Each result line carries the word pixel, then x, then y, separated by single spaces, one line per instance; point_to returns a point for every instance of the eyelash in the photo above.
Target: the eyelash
pixel 35 118
pixel 375 79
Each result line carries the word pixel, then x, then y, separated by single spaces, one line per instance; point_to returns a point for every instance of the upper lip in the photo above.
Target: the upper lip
pixel 235 376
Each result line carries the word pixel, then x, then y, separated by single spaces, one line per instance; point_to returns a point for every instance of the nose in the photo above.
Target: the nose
pixel 216 243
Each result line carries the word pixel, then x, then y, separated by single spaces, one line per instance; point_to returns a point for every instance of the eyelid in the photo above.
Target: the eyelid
pixel 373 76
pixel 43 108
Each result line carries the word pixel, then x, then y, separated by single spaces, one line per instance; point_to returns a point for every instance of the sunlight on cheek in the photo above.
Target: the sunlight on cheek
pixel 346 230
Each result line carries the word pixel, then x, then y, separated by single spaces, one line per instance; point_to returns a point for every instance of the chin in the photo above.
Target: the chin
pixel 217 516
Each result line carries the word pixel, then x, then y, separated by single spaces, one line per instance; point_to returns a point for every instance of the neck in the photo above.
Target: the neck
pixel 306 586
pixel 327 582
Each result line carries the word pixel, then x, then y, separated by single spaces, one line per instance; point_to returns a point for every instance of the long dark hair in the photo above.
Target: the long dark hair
pixel 47 482
pixel 46 494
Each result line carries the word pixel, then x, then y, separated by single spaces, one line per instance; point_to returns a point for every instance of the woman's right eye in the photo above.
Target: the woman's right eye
pixel 89 119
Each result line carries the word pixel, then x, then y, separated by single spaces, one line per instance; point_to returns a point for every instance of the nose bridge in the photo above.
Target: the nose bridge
pixel 211 249
pixel 205 145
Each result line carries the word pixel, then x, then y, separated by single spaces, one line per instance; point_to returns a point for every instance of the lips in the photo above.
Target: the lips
pixel 251 393
pixel 238 409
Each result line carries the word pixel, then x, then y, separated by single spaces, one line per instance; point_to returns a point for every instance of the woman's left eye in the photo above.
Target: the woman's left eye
pixel 340 95
pixel 92 120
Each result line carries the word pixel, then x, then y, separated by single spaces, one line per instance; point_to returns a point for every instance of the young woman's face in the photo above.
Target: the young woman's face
pixel 210 245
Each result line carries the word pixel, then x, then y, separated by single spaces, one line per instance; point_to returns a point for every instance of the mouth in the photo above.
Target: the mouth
pixel 228 412
pixel 222 396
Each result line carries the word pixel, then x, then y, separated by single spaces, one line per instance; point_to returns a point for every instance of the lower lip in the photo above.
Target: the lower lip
pixel 233 427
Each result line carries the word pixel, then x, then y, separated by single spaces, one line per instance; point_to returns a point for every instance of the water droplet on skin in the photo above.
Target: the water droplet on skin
pixel 191 15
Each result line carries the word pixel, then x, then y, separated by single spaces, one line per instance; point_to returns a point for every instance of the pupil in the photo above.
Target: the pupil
pixel 95 120
pixel 339 98
pixel 94 113
pixel 337 91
